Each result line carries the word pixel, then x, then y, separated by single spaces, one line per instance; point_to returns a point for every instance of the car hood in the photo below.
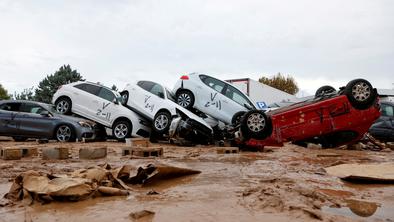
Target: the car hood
pixel 192 115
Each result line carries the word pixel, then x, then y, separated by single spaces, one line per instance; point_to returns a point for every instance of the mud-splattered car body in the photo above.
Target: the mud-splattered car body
pixel 331 119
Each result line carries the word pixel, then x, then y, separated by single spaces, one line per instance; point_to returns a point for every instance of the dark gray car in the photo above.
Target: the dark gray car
pixel 26 119
pixel 383 128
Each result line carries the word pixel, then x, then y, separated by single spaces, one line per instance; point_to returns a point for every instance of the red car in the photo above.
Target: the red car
pixel 332 118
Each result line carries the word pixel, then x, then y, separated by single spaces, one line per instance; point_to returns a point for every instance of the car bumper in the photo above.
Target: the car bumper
pixel 85 132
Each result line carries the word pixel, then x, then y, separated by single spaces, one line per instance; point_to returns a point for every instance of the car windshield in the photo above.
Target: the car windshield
pixel 170 96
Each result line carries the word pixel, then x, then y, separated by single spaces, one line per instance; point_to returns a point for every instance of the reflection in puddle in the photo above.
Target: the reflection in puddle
pixel 357 208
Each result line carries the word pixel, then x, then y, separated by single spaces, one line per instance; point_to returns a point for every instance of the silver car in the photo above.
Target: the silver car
pixel 26 119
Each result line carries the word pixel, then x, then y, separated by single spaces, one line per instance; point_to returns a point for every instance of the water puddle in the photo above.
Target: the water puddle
pixel 358 209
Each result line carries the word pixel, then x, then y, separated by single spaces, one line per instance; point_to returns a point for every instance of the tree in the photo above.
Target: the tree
pixel 3 93
pixel 48 86
pixel 287 84
pixel 26 94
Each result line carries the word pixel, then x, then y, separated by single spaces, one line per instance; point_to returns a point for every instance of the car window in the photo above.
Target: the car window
pixel 31 108
pixel 10 107
pixel 213 83
pixel 88 88
pixel 387 110
pixel 106 94
pixel 235 95
pixel 152 87
pixel 157 90
pixel 170 96
pixel 145 85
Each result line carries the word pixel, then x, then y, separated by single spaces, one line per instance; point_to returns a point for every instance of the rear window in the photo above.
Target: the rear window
pixel 10 107
pixel 213 83
pixel 387 110
pixel 92 89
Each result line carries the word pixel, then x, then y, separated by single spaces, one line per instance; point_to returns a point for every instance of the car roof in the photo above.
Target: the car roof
pixel 92 83
pixel 23 101
pixel 387 103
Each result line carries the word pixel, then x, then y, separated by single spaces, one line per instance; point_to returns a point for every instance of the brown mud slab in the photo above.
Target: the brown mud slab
pixel 285 184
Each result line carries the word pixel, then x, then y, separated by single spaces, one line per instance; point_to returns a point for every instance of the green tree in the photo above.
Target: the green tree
pixel 3 93
pixel 279 81
pixel 26 94
pixel 48 86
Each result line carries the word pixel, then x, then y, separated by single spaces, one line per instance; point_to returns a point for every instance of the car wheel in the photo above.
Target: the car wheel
pixel 65 133
pixel 121 130
pixel 125 97
pixel 63 105
pixel 236 120
pixel 324 90
pixel 255 124
pixel 185 99
pixel 360 93
pixel 161 122
pixel 19 138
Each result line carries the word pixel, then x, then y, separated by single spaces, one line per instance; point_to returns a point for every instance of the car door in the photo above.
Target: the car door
pixel 106 106
pixel 148 97
pixel 9 124
pixel 87 101
pixel 235 101
pixel 211 101
pixel 32 123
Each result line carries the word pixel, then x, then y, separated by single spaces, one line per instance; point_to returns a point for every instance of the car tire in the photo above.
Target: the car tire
pixel 19 138
pixel 324 90
pixel 236 120
pixel 256 124
pixel 360 93
pixel 162 122
pixel 121 130
pixel 63 105
pixel 185 98
pixel 65 133
pixel 125 97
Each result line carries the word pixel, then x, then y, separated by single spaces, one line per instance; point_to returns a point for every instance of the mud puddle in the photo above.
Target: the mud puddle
pixel 358 209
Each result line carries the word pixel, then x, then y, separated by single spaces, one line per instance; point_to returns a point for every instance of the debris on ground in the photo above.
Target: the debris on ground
pixel 84 183
pixel 143 215
pixel 382 172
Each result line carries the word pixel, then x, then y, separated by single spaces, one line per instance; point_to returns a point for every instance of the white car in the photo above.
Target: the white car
pixel 102 105
pixel 156 103
pixel 209 95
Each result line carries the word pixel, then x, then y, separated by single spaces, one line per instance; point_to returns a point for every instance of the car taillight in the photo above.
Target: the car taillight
pixel 185 77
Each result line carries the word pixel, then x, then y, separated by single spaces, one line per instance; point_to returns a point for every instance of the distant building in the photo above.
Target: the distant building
pixel 386 95
pixel 261 94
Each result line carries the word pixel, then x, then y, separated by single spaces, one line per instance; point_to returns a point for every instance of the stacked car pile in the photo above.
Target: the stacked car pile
pixel 199 108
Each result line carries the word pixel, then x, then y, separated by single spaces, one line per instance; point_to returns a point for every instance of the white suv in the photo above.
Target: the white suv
pixel 217 98
pixel 102 105
pixel 156 103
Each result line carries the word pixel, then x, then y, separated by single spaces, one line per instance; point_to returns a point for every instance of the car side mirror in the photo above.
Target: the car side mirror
pixel 161 95
pixel 116 101
pixel 45 113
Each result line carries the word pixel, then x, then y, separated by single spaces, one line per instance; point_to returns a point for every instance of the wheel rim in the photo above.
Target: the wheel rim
pixel 63 133
pixel 121 130
pixel 361 91
pixel 62 106
pixel 256 122
pixel 161 122
pixel 184 99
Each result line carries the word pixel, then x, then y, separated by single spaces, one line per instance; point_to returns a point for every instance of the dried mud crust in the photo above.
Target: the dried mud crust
pixel 282 184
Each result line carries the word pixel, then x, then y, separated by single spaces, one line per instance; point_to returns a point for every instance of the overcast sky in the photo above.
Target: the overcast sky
pixel 115 42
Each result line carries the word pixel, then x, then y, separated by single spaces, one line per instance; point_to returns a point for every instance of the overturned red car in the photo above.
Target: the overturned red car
pixel 332 118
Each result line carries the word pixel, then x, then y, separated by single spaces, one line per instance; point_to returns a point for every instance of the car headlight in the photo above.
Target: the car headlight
pixel 85 124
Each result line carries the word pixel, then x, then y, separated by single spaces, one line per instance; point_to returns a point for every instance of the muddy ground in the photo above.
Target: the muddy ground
pixel 279 184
